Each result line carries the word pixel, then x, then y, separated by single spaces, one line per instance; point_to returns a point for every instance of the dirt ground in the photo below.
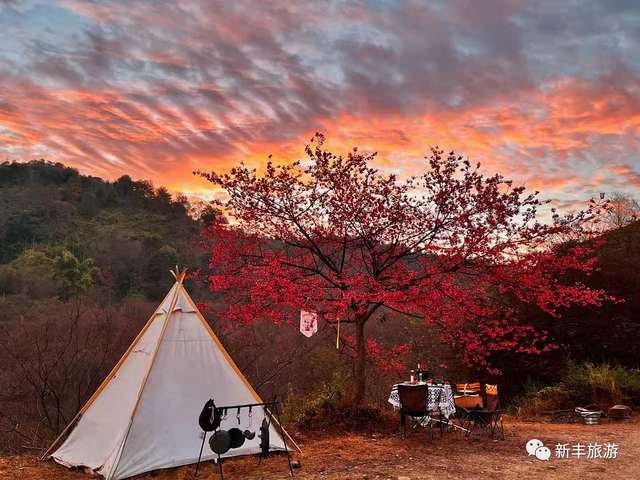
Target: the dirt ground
pixel 383 455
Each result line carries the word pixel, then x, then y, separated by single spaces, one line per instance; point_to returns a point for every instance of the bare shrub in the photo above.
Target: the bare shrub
pixel 54 356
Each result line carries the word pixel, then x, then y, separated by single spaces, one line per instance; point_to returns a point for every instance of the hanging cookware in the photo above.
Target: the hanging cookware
pixel 220 442
pixel 264 438
pixel 249 432
pixel 210 416
pixel 237 437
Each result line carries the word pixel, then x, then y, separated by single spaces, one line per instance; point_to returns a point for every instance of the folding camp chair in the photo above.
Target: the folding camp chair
pixel 467 397
pixel 489 419
pixel 413 404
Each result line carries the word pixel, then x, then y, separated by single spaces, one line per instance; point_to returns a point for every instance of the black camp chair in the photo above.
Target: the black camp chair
pixel 488 419
pixel 413 404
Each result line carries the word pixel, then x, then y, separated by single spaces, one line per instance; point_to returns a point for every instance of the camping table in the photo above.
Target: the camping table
pixel 439 399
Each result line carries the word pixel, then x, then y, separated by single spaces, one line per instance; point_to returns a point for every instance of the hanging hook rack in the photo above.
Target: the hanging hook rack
pixel 269 413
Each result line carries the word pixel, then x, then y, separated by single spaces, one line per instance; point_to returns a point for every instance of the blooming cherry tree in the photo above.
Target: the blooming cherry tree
pixel 334 236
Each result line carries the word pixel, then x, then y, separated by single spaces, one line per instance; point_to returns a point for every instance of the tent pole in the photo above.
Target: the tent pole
pixel 104 383
pixel 174 300
pixel 124 357
pixel 112 471
pixel 55 442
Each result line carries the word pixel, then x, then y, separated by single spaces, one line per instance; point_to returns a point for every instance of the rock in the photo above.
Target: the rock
pixel 296 464
pixel 404 478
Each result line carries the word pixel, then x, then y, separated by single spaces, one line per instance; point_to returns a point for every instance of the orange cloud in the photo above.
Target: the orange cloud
pixel 157 90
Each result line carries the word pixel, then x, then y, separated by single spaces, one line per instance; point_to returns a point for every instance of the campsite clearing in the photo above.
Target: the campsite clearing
pixel 384 456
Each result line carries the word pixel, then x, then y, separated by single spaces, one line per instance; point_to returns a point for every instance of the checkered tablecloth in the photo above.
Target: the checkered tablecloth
pixel 438 397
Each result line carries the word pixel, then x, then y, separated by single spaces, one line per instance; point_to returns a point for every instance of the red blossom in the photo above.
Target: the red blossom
pixel 335 236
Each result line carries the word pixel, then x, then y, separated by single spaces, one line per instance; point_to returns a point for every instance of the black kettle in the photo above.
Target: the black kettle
pixel 210 416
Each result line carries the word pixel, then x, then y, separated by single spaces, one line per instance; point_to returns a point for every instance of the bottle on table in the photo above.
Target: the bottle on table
pixel 413 377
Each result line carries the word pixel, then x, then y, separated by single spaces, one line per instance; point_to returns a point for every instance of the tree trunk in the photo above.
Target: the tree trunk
pixel 361 358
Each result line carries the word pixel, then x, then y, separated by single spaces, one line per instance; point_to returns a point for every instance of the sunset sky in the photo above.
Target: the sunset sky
pixel 545 92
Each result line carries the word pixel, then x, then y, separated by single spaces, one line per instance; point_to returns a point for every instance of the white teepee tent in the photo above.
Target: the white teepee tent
pixel 144 416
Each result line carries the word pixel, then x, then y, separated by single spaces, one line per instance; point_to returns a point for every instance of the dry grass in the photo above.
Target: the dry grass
pixel 382 455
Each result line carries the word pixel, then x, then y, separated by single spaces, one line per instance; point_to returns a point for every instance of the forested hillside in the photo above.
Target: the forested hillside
pixel 133 231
